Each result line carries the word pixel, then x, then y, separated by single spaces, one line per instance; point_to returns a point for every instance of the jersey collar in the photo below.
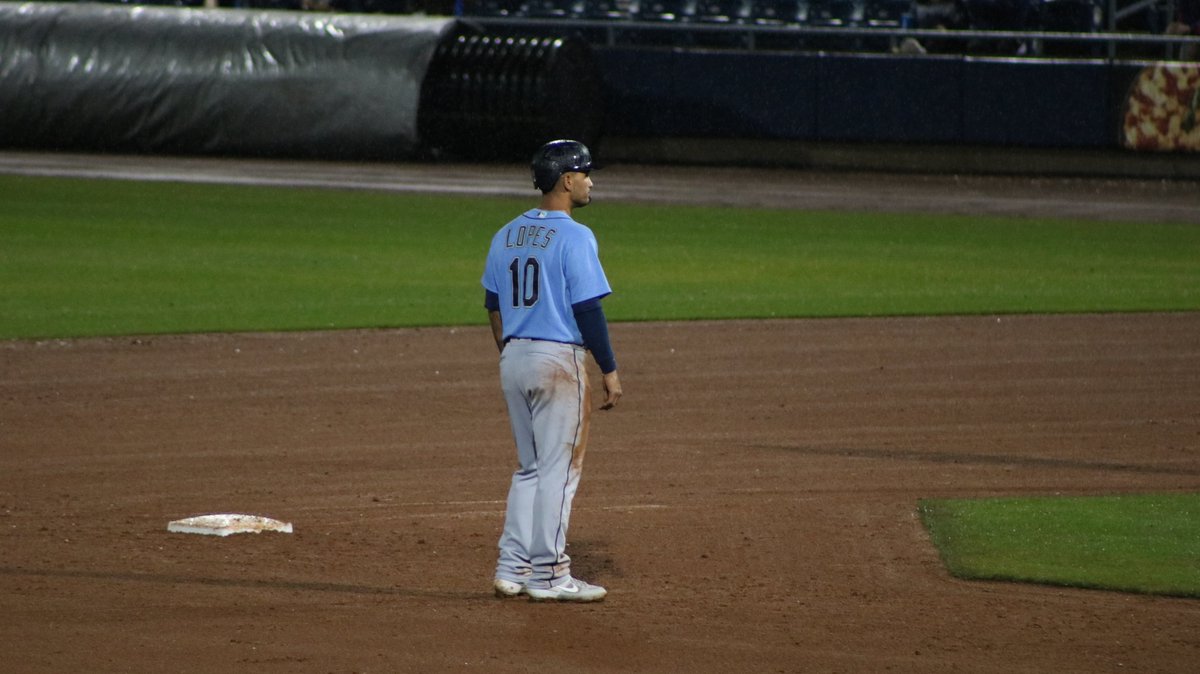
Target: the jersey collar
pixel 539 214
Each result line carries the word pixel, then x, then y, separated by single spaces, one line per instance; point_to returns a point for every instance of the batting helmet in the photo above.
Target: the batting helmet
pixel 556 158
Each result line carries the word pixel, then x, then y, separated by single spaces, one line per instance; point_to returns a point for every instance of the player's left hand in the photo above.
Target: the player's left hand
pixel 612 390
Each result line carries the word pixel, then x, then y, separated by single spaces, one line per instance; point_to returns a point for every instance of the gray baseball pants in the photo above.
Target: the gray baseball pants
pixel 546 389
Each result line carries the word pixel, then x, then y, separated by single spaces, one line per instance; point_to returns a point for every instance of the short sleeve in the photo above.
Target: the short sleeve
pixel 585 275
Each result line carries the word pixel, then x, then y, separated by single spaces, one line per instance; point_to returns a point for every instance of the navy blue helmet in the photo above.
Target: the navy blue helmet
pixel 556 158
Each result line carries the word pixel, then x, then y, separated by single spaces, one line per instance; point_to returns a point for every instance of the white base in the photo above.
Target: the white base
pixel 226 524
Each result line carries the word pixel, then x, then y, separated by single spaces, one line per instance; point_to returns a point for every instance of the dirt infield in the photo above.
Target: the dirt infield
pixel 750 505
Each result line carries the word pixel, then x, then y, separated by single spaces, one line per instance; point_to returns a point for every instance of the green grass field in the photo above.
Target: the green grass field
pixel 91 257
pixel 1138 543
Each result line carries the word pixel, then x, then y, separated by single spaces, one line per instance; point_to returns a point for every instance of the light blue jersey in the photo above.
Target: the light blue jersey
pixel 539 265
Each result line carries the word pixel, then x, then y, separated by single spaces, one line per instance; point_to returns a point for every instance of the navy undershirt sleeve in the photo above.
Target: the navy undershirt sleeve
pixel 589 316
pixel 491 301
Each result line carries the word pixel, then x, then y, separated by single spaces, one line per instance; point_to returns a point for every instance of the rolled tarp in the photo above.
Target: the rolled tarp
pixel 213 81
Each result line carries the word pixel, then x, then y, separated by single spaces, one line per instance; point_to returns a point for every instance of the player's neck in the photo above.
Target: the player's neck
pixel 557 201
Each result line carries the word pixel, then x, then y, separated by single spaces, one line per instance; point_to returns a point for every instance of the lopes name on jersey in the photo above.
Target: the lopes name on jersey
pixel 527 235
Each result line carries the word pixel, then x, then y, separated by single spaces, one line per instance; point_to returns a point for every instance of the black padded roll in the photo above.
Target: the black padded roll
pixel 491 97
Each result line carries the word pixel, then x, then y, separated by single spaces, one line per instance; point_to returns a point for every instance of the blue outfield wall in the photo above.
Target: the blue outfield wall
pixel 863 97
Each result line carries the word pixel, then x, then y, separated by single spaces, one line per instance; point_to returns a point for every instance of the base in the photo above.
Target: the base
pixel 226 524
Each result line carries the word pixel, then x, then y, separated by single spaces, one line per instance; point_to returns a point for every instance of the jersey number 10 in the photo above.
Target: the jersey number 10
pixel 525 282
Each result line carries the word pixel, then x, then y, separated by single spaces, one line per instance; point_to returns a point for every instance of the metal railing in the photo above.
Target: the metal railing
pixel 878 39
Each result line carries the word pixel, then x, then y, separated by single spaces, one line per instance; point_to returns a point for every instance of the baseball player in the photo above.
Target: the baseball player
pixel 543 284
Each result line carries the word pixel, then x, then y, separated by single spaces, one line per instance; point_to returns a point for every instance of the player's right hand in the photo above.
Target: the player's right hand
pixel 612 390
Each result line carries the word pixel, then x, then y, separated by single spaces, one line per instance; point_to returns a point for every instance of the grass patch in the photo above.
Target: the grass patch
pixel 96 257
pixel 1138 543
pixel 82 258
pixel 682 263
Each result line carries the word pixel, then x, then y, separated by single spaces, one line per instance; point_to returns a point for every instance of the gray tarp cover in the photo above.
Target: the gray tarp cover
pixel 148 79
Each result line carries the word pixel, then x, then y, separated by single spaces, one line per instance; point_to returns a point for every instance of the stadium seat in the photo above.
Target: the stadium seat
pixel 665 10
pixel 608 9
pixel 887 13
pixel 834 13
pixel 778 12
pixel 722 11
pixel 552 9
pixel 943 14
pixel 492 7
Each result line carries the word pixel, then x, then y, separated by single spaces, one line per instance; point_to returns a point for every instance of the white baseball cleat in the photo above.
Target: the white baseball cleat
pixel 572 590
pixel 507 588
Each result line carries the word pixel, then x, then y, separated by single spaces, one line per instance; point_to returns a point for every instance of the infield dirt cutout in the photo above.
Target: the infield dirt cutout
pixel 751 504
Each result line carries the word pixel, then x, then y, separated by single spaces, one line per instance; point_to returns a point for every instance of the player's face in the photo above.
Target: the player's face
pixel 580 187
